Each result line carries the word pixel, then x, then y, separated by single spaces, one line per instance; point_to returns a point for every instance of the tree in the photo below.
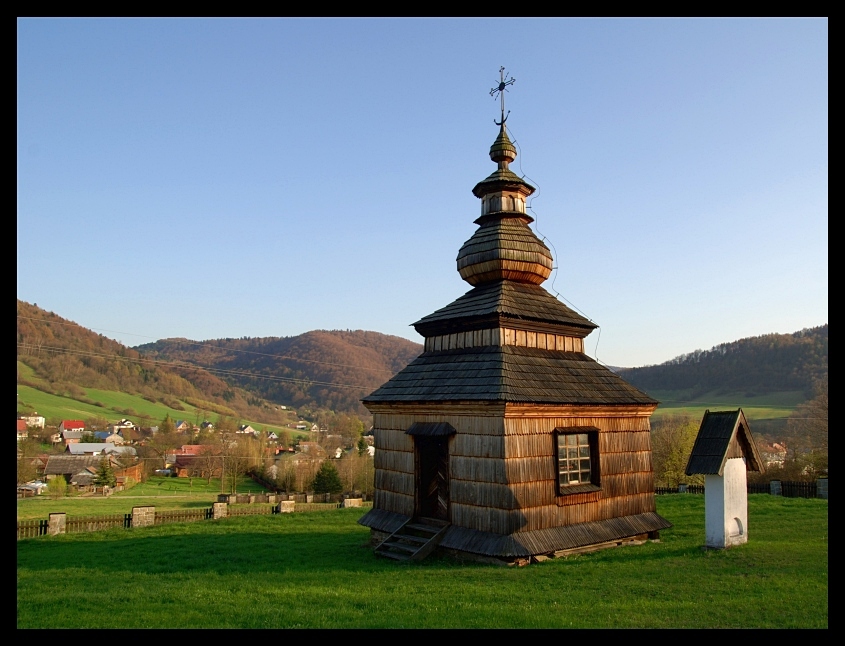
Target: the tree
pixel 327 479
pixel 807 436
pixel 167 425
pixel 672 439
pixel 362 445
pixel 105 475
pixel 57 486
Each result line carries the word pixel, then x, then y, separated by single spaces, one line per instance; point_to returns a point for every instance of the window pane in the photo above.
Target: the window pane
pixel 574 459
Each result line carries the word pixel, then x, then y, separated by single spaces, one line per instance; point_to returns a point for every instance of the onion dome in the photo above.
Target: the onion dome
pixel 504 247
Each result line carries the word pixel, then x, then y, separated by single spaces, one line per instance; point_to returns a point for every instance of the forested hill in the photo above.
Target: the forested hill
pixel 65 358
pixel 319 369
pixel 753 366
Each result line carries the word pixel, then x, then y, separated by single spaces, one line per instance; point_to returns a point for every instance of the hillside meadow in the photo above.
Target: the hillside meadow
pixel 115 405
pixel 316 570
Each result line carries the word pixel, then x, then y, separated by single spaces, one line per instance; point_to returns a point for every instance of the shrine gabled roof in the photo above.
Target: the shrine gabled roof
pixel 509 299
pixel 510 374
pixel 723 435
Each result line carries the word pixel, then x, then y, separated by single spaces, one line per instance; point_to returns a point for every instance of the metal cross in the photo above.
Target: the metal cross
pixel 501 88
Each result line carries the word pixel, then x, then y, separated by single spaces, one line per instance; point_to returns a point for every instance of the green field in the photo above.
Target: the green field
pixel 770 412
pixel 315 570
pixel 161 492
pixel 114 406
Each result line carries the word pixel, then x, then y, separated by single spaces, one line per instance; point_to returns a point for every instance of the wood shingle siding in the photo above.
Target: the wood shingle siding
pixel 394 460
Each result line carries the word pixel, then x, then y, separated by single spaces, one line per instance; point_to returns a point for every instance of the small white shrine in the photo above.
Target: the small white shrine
pixel 723 451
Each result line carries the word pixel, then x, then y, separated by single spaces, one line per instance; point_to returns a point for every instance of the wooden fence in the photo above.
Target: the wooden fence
pixel 182 515
pixel 787 489
pixel 32 528
pixel 79 524
pixel 680 489
pixel 798 489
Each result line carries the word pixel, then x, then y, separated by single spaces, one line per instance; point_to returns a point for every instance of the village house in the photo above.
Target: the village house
pixel 80 470
pixel 122 426
pixel 71 425
pixel 34 420
pixel 71 437
pixel 773 455
pixel 503 439
pixel 108 436
pixel 23 431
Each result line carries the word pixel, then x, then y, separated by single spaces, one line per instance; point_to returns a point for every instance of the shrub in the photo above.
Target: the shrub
pixel 327 479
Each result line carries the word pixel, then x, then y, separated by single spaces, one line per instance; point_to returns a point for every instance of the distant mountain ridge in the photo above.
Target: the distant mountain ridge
pixel 754 366
pixel 334 369
pixel 330 369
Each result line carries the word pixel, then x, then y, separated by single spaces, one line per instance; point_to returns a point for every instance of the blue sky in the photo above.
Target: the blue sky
pixel 209 178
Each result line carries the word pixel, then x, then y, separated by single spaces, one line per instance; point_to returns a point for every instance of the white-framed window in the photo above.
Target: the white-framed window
pixel 577 459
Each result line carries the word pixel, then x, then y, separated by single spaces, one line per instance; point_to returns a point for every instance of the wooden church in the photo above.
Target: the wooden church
pixel 503 439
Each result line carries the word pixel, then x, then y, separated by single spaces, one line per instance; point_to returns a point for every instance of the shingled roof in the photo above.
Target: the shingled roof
pixel 70 464
pixel 510 374
pixel 503 300
pixel 723 435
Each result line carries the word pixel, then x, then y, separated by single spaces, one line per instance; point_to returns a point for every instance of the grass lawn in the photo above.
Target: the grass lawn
pixel 163 493
pixel 314 570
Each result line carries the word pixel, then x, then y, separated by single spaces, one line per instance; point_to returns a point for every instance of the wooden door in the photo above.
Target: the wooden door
pixel 432 467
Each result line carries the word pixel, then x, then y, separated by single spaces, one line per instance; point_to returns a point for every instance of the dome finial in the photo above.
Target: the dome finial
pixel 501 88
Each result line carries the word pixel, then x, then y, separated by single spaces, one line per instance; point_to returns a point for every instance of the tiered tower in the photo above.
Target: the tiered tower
pixel 504 430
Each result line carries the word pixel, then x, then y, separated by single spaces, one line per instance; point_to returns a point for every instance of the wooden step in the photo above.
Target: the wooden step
pixel 412 538
pixel 428 529
pixel 394 556
pixel 400 546
pixel 404 546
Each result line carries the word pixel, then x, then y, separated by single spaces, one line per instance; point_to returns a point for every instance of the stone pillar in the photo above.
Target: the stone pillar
pixel 143 516
pixel 220 510
pixel 821 488
pixel 309 497
pixel 271 498
pixel 682 488
pixel 287 506
pixel 774 488
pixel 56 524
pixel 251 499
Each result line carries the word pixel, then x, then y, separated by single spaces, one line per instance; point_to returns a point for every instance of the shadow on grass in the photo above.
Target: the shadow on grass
pixel 252 544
